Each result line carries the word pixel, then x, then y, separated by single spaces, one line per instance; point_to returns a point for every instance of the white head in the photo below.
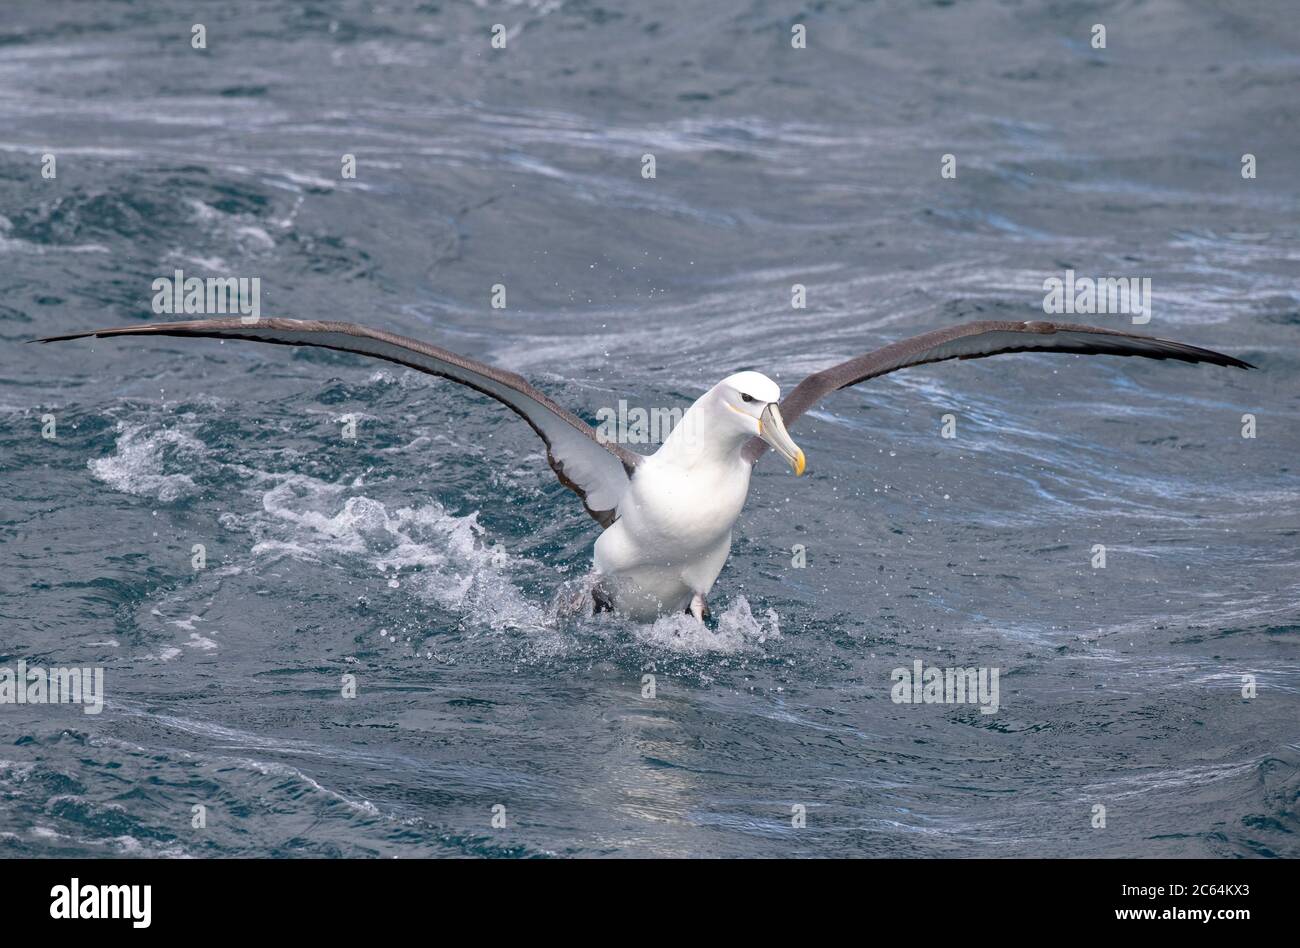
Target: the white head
pixel 746 403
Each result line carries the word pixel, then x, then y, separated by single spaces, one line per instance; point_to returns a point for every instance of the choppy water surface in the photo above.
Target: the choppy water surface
pixel 425 557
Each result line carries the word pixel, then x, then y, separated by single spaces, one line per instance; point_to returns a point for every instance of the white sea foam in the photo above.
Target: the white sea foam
pixel 10 245
pixel 137 465
pixel 738 631
pixel 423 549
pixel 241 229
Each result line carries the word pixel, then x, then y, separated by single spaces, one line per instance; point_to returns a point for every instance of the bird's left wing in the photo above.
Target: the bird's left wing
pixel 976 340
pixel 596 471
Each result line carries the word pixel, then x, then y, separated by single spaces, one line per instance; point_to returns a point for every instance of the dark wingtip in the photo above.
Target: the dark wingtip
pixel 1234 362
pixel 105 332
pixel 71 335
pixel 1214 357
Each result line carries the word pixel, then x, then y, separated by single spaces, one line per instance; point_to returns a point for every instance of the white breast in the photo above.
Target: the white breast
pixel 673 533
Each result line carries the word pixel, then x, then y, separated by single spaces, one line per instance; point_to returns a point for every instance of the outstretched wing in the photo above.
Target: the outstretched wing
pixel 975 340
pixel 595 471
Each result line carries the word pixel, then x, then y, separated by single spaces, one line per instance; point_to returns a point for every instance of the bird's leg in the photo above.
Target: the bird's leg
pixel 602 599
pixel 699 607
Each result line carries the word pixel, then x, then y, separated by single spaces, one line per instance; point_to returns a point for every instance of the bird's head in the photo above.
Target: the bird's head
pixel 748 400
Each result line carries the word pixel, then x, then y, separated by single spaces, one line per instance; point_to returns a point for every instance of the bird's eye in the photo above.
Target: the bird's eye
pixel 746 398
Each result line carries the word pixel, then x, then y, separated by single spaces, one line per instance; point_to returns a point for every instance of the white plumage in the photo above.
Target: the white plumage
pixel 673 532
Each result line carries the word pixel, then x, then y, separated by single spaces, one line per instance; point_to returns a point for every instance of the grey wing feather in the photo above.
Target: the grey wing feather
pixel 976 340
pixel 596 471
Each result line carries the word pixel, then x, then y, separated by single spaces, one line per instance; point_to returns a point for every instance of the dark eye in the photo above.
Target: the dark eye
pixel 746 398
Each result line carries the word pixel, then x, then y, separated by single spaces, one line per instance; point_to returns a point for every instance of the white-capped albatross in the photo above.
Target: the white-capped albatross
pixel 667 517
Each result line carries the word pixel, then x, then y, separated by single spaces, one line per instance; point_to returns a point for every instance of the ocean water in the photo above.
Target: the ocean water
pixel 427 557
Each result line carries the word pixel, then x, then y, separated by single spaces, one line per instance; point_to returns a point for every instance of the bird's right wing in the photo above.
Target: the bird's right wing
pixel 596 471
pixel 976 340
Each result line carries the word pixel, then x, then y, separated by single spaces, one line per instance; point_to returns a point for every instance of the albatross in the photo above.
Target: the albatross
pixel 667 518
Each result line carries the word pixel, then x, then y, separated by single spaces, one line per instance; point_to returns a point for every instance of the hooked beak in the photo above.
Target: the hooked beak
pixel 772 430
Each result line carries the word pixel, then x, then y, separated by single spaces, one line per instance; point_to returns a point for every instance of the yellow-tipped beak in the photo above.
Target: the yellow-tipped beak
pixel 772 430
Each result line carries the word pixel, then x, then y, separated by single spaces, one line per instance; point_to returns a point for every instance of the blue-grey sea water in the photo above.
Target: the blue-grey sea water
pixel 425 557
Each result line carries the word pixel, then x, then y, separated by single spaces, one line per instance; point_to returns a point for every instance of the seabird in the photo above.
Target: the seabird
pixel 666 518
